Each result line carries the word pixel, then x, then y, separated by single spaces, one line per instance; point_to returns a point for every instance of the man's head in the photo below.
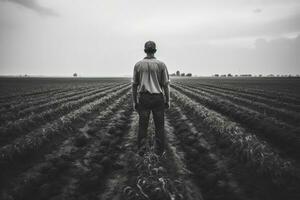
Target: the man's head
pixel 150 47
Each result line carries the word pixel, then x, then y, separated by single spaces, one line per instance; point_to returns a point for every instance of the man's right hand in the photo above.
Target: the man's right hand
pixel 167 105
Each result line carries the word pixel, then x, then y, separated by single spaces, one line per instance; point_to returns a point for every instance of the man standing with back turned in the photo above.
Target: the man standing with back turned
pixel 151 93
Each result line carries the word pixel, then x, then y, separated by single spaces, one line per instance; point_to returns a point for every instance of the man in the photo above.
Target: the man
pixel 151 93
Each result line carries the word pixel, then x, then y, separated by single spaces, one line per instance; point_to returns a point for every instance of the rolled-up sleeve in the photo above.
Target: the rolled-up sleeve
pixel 165 80
pixel 135 80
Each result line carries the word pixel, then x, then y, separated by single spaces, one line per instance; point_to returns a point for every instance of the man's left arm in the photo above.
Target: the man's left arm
pixel 135 84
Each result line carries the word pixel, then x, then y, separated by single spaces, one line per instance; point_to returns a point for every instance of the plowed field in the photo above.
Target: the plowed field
pixel 233 138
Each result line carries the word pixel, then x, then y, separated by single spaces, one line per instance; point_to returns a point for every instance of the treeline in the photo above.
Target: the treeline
pixel 181 74
pixel 251 75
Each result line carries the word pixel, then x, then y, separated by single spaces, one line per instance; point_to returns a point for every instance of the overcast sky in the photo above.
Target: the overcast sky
pixel 106 37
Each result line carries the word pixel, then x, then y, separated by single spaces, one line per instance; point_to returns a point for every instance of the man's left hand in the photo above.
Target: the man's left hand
pixel 135 106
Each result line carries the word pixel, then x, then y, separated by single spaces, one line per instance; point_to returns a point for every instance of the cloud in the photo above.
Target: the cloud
pixel 257 10
pixel 273 28
pixel 289 45
pixel 278 55
pixel 34 5
pixel 231 30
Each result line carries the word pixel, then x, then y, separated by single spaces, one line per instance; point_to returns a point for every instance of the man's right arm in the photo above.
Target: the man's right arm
pixel 166 85
pixel 167 94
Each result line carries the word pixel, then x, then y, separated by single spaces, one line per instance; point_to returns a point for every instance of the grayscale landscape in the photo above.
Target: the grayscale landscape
pixel 69 126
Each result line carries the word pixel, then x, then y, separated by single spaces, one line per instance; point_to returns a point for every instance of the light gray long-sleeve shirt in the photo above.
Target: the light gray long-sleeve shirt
pixel 150 75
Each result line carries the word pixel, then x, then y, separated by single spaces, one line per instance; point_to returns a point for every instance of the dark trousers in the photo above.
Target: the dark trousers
pixel 152 103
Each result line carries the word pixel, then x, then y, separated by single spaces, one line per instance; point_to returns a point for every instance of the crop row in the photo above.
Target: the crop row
pixel 282 114
pixel 36 92
pixel 211 159
pixel 21 126
pixel 102 157
pixel 279 133
pixel 251 97
pixel 64 164
pixel 35 140
pixel 52 103
pixel 279 96
pixel 280 103
pixel 7 104
pixel 23 103
pixel 209 169
pixel 36 88
pixel 19 99
pixel 245 147
pixel 14 106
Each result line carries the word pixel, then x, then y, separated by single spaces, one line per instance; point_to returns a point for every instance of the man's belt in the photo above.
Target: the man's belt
pixel 146 92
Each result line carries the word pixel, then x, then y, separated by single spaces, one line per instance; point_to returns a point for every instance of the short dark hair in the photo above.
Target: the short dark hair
pixel 150 47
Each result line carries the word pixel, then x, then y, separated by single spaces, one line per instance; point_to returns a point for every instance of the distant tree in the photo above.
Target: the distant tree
pixel 236 75
pixel 246 75
pixel 229 75
pixel 173 74
pixel 178 73
pixel 182 74
pixel 260 75
pixel 216 75
pixel 189 74
pixel 223 75
pixel 75 75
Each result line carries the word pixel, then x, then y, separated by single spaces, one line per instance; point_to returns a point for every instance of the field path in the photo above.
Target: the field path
pixel 126 183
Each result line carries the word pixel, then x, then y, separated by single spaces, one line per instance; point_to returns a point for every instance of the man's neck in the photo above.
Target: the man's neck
pixel 149 56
